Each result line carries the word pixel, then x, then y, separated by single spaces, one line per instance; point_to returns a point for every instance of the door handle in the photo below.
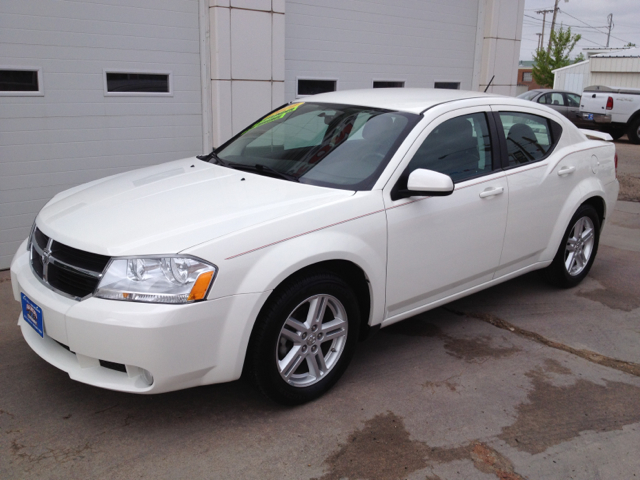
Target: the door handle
pixel 491 191
pixel 566 170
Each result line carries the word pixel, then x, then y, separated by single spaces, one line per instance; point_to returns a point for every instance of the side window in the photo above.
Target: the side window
pixel 529 137
pixel 556 99
pixel 459 147
pixel 573 100
pixel 552 99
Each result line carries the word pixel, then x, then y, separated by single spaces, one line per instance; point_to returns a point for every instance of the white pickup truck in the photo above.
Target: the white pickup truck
pixel 613 110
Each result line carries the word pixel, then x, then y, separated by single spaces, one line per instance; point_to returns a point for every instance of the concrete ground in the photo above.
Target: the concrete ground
pixel 519 381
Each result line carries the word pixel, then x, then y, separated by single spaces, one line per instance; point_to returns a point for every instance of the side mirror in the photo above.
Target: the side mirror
pixel 426 183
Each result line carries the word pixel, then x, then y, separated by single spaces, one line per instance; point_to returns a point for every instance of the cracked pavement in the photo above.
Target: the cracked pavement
pixel 521 381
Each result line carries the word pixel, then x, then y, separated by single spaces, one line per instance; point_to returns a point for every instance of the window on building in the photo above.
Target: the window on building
pixel 137 83
pixel 527 76
pixel 447 85
pixel 20 81
pixel 313 87
pixel 387 84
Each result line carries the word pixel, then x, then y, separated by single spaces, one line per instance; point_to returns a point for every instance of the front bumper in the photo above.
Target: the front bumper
pixel 181 346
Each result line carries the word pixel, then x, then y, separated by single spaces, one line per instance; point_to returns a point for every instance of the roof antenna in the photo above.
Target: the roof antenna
pixel 489 84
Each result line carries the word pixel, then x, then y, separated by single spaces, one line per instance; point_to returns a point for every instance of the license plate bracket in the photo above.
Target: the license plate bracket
pixel 32 314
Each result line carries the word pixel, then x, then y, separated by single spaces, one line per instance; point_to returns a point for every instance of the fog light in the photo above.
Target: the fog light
pixel 147 377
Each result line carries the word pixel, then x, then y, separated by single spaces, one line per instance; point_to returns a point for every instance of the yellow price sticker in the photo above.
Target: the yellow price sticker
pixel 276 115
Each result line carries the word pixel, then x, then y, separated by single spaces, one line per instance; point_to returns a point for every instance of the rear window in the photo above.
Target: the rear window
pixel 528 95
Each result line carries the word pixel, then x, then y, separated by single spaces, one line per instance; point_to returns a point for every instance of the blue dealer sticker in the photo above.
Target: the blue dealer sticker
pixel 32 314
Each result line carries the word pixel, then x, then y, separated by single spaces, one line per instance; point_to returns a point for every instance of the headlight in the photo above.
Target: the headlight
pixel 157 279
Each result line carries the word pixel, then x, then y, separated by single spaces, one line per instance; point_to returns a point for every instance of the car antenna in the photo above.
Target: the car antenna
pixel 489 84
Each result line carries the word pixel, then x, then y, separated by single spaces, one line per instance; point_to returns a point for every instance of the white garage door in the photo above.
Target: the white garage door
pixel 357 42
pixel 74 127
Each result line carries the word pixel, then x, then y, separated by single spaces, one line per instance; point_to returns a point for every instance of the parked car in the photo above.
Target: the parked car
pixel 612 110
pixel 323 221
pixel 567 103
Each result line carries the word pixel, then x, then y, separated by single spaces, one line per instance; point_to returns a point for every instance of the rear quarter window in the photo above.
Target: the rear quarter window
pixel 530 138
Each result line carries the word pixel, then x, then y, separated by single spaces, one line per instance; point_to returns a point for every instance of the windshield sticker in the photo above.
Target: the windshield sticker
pixel 276 115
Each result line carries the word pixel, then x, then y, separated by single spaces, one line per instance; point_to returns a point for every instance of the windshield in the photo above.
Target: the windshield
pixel 340 146
pixel 528 95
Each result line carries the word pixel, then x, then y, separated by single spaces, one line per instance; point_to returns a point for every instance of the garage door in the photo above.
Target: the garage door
pixel 354 43
pixel 89 89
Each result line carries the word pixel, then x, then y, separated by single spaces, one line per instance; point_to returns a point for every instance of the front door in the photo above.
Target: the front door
pixel 440 246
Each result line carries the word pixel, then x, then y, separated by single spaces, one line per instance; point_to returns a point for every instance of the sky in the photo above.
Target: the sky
pixel 586 17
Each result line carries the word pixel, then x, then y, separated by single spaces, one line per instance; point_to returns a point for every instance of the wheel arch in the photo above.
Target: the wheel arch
pixel 634 116
pixel 595 198
pixel 348 271
pixel 598 203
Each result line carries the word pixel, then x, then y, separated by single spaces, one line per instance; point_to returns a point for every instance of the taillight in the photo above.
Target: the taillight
pixel 615 161
pixel 610 103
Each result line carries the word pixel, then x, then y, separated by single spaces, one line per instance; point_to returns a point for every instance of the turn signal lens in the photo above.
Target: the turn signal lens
pixel 199 290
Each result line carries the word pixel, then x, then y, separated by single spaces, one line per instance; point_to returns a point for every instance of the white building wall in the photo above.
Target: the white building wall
pixel 616 71
pixel 573 78
pixel 502 34
pixel 247 62
pixel 356 42
pixel 74 133
pixel 620 79
pixel 615 64
pixel 610 71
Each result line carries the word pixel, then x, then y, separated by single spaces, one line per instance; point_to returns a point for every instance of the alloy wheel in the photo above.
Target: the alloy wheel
pixel 312 340
pixel 579 246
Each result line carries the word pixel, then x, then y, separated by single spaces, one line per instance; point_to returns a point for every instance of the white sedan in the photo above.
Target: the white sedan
pixel 323 221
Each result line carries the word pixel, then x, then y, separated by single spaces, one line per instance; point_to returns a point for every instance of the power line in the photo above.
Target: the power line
pixel 564 24
pixel 597 28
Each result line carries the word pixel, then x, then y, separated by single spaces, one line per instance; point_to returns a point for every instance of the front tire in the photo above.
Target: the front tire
pixel 577 250
pixel 304 338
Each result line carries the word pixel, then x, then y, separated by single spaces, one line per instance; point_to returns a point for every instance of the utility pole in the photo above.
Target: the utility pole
pixel 539 42
pixel 553 24
pixel 610 21
pixel 544 19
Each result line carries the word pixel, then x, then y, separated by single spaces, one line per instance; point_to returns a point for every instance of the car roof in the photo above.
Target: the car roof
pixel 412 100
pixel 552 90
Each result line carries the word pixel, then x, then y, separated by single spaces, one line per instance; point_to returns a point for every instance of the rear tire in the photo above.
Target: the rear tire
pixel 616 133
pixel 304 338
pixel 577 250
pixel 633 132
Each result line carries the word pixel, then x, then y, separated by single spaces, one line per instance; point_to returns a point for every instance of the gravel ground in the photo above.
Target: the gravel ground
pixel 628 170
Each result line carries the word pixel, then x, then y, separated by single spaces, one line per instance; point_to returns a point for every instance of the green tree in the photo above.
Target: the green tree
pixel 562 43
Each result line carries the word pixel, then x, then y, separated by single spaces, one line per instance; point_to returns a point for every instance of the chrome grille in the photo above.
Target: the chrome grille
pixel 67 270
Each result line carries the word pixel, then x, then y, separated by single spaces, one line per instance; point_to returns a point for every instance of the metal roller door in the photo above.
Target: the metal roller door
pixel 74 130
pixel 357 42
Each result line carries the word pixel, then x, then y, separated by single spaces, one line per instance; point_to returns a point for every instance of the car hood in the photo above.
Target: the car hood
pixel 171 207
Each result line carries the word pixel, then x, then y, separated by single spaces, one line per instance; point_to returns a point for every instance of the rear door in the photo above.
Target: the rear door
pixel 573 108
pixel 538 187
